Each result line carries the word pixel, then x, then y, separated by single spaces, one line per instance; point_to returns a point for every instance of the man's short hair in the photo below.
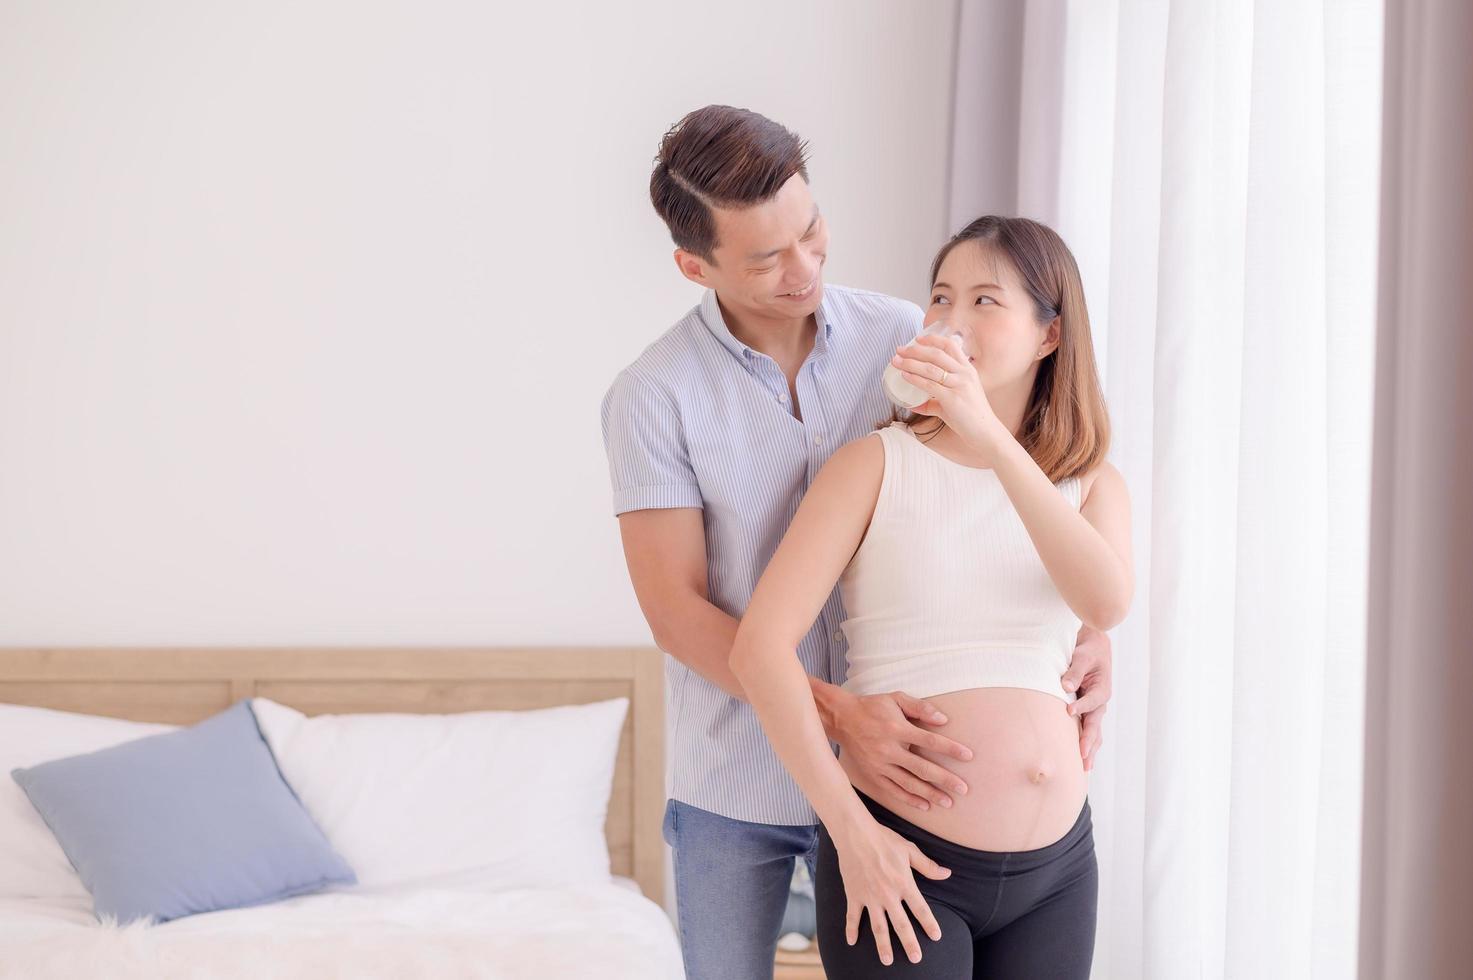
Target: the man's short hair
pixel 719 156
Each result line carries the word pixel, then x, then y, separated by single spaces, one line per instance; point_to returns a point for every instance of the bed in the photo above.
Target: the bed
pixel 610 930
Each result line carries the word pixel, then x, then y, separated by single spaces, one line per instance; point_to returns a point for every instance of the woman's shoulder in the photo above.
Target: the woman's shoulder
pixel 866 453
pixel 852 474
pixel 1103 476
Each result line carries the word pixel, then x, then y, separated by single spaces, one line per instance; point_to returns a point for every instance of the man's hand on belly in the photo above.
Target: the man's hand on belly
pixel 1090 672
pixel 876 734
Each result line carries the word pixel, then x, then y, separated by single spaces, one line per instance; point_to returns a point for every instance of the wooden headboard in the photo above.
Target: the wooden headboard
pixel 181 686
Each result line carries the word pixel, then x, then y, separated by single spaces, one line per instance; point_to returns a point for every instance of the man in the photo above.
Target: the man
pixel 713 435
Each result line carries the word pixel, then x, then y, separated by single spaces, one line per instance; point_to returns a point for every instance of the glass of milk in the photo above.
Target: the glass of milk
pixel 902 392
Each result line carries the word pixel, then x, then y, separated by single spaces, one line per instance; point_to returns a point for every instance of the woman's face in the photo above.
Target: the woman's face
pixel 979 292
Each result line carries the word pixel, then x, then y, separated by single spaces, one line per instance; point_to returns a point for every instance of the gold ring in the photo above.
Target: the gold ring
pixel 944 374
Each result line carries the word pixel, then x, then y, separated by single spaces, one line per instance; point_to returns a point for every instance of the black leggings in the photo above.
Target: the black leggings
pixel 1004 915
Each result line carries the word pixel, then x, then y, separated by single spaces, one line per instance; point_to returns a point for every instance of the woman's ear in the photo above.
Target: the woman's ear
pixel 1051 337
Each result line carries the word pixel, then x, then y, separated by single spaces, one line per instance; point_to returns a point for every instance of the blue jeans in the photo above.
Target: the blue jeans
pixel 731 889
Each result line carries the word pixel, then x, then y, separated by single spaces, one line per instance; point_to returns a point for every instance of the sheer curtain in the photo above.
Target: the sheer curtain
pixel 1214 167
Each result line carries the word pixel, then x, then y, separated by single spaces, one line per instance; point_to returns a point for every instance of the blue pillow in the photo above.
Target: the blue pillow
pixel 193 820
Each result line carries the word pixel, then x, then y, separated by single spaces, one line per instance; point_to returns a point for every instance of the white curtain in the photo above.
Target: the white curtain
pixel 1214 167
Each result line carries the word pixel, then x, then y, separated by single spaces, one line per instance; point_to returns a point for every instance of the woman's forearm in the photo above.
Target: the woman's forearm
pixel 780 692
pixel 1085 569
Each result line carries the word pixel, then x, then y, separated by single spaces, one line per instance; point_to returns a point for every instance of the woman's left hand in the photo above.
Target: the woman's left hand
pixel 940 367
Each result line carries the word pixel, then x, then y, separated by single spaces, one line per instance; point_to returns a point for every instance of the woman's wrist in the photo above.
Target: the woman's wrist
pixel 847 819
pixel 1008 452
pixel 990 437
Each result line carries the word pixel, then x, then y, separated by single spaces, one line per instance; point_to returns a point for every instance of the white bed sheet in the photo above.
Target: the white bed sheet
pixel 596 931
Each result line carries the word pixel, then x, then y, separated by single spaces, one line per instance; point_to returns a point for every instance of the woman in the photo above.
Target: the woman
pixel 969 545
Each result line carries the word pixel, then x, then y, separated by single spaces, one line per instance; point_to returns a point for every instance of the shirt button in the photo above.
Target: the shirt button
pixel 783 399
pixel 838 636
pixel 818 440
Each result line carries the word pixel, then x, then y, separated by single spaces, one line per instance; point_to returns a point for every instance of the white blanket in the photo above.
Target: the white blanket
pixel 604 931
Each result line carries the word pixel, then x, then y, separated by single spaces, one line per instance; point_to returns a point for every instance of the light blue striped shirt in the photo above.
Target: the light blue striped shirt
pixel 702 420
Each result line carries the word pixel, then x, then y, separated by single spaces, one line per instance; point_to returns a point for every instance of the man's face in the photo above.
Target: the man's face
pixel 768 258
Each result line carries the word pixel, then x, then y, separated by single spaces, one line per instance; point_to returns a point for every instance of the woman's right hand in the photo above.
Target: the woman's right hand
pixel 875 863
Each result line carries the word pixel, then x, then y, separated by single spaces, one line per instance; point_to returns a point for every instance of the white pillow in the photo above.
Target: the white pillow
pixel 32 863
pixel 514 798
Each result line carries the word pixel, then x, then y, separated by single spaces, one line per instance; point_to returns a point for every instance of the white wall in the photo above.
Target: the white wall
pixel 306 310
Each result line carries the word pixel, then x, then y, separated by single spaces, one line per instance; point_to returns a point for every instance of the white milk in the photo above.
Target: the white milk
pixel 901 392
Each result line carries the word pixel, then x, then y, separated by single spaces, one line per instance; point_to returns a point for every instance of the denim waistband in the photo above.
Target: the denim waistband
pixel 951 854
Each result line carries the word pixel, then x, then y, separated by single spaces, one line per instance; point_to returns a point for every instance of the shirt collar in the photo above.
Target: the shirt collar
pixel 716 323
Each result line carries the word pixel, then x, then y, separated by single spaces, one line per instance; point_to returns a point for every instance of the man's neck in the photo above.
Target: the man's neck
pixel 785 341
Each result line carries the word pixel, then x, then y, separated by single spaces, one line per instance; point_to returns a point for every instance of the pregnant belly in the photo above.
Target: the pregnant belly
pixel 1025 781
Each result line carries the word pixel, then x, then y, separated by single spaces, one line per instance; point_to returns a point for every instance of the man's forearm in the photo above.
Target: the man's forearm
pixel 794 728
pixel 700 635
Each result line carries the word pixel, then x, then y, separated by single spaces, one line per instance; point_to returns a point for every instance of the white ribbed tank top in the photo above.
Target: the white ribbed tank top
pixel 947 591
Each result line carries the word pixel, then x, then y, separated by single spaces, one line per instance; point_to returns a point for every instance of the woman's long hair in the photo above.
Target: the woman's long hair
pixel 1066 428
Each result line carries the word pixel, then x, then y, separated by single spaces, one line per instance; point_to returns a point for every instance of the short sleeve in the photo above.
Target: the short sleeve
pixel 649 467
